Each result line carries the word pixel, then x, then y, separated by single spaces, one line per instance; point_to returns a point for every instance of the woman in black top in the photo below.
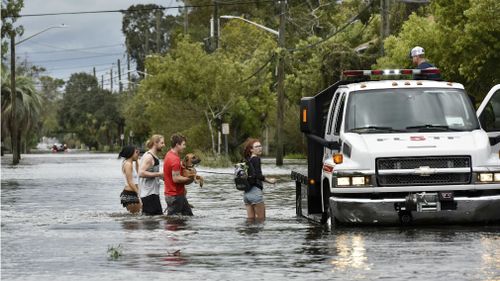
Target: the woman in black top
pixel 254 201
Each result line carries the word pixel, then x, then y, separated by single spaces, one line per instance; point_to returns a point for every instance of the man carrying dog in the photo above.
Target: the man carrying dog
pixel 175 190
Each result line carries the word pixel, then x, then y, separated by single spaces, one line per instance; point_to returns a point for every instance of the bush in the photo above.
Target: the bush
pixel 295 156
pixel 208 159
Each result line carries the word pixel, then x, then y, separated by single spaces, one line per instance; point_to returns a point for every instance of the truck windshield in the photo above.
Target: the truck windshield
pixel 409 110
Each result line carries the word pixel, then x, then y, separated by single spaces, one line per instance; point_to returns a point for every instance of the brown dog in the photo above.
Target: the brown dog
pixel 190 160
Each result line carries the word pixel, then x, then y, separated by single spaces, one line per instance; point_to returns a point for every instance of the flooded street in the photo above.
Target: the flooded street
pixel 61 212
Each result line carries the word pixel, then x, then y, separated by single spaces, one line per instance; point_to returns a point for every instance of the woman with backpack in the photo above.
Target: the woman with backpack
pixel 253 198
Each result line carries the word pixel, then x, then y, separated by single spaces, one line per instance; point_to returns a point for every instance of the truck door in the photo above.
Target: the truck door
pixel 489 116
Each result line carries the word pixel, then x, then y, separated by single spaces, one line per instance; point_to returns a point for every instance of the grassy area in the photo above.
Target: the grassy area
pixel 210 160
pixel 295 156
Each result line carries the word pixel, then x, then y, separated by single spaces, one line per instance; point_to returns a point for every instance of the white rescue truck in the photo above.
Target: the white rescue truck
pixel 399 151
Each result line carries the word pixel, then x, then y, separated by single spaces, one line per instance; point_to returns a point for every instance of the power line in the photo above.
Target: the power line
pixel 351 21
pixel 72 49
pixel 259 69
pixel 137 9
pixel 77 58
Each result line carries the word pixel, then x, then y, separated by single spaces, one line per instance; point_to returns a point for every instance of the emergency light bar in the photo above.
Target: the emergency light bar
pixel 389 72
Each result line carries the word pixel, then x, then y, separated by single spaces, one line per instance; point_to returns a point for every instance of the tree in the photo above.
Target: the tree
pixel 462 38
pixel 10 12
pixel 188 85
pixel 89 112
pixel 146 30
pixel 28 107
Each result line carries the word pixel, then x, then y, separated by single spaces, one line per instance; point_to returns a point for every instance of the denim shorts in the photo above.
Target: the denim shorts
pixel 254 196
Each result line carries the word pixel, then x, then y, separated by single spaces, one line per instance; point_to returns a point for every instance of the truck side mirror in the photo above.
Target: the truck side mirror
pixel 308 115
pixel 334 145
pixel 494 140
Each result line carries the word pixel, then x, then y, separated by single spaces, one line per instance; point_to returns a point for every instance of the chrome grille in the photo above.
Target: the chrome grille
pixel 432 162
pixel 442 162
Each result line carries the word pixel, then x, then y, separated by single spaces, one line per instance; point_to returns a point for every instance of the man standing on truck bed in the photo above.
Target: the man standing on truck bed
pixel 417 55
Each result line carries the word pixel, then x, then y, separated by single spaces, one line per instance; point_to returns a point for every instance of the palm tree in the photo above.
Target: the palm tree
pixel 27 109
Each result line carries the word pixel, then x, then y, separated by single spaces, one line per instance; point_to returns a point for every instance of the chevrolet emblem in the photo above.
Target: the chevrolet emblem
pixel 424 171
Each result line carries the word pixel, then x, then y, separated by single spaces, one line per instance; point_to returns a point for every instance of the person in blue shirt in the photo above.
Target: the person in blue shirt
pixel 417 55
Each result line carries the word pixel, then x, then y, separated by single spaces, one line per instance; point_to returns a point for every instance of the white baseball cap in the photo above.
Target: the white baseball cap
pixel 417 51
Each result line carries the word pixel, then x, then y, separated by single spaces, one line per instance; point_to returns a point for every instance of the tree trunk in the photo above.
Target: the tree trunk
pixel 13 95
pixel 211 132
pixel 19 145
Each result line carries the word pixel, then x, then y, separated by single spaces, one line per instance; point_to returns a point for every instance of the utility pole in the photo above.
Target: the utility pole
pixel 185 19
pixel 158 34
pixel 111 78
pixel 146 44
pixel 384 23
pixel 15 134
pixel 281 86
pixel 216 24
pixel 128 71
pixel 94 73
pixel 120 86
pixel 102 81
pixel 13 98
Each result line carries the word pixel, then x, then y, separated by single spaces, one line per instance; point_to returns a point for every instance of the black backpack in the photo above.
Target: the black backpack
pixel 241 177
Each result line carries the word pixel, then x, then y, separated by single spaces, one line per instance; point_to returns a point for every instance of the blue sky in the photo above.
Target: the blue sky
pixel 89 39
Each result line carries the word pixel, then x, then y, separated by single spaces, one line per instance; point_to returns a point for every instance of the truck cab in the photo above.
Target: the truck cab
pixel 400 151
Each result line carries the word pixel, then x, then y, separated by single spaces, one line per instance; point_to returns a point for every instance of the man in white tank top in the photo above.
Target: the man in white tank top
pixel 149 177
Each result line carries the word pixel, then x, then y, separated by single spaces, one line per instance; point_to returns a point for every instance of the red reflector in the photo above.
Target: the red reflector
pixel 430 71
pixel 406 71
pixel 417 138
pixel 352 73
pixel 377 72
pixel 327 168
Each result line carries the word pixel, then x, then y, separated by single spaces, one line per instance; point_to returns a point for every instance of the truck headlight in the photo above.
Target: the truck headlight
pixel 497 177
pixel 358 180
pixel 485 177
pixel 343 181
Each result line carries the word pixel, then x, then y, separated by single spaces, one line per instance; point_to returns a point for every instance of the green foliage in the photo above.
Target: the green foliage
pixel 191 91
pixel 28 108
pixel 10 12
pixel 115 252
pixel 295 156
pixel 462 38
pixel 213 160
pixel 89 112
pixel 146 30
pixel 50 92
pixel 416 31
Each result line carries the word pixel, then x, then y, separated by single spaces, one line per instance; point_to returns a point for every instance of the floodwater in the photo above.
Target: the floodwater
pixel 61 212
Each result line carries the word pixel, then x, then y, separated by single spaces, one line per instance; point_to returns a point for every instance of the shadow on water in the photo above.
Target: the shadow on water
pixel 154 223
pixel 250 227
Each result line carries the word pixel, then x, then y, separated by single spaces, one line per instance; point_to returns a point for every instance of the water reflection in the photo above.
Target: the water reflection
pixel 141 224
pixel 350 252
pixel 490 258
pixel 175 223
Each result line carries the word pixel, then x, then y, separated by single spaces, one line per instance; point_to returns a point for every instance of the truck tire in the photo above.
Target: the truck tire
pixel 334 223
